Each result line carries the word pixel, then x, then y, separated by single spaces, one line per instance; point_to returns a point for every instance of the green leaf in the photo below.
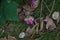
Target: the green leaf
pixel 10 10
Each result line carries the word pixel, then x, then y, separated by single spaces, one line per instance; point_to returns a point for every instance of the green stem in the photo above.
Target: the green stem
pixel 52 8
pixel 41 8
pixel 46 6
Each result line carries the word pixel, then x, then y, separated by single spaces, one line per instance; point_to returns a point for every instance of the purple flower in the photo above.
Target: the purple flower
pixel 29 20
pixel 33 3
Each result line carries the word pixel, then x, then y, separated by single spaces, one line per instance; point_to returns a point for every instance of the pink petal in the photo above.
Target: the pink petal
pixel 25 19
pixel 31 20
pixel 27 22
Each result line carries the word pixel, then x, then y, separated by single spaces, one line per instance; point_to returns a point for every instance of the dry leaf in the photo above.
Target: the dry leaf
pixel 37 29
pixel 21 13
pixel 11 38
pixel 33 30
pixel 27 7
pixel 19 9
pixel 24 11
pixel 41 24
pixel 49 23
pixel 21 16
pixel 38 20
pixel 27 12
pixel 3 38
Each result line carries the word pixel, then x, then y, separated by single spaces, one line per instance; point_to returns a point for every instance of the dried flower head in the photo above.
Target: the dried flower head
pixel 22 35
pixel 55 15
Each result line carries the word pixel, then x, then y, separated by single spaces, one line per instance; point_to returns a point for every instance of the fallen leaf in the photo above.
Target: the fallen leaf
pixel 27 7
pixel 37 29
pixel 41 24
pixel 21 16
pixel 49 23
pixel 3 38
pixel 11 38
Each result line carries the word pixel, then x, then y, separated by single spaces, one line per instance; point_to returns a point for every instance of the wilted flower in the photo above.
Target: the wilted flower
pixel 29 20
pixel 22 35
pixel 55 15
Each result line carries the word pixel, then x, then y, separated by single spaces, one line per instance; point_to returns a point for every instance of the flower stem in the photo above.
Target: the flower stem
pixel 41 8
pixel 52 8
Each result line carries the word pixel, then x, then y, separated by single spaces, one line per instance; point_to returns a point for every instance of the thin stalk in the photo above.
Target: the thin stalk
pixel 46 6
pixel 41 8
pixel 52 8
